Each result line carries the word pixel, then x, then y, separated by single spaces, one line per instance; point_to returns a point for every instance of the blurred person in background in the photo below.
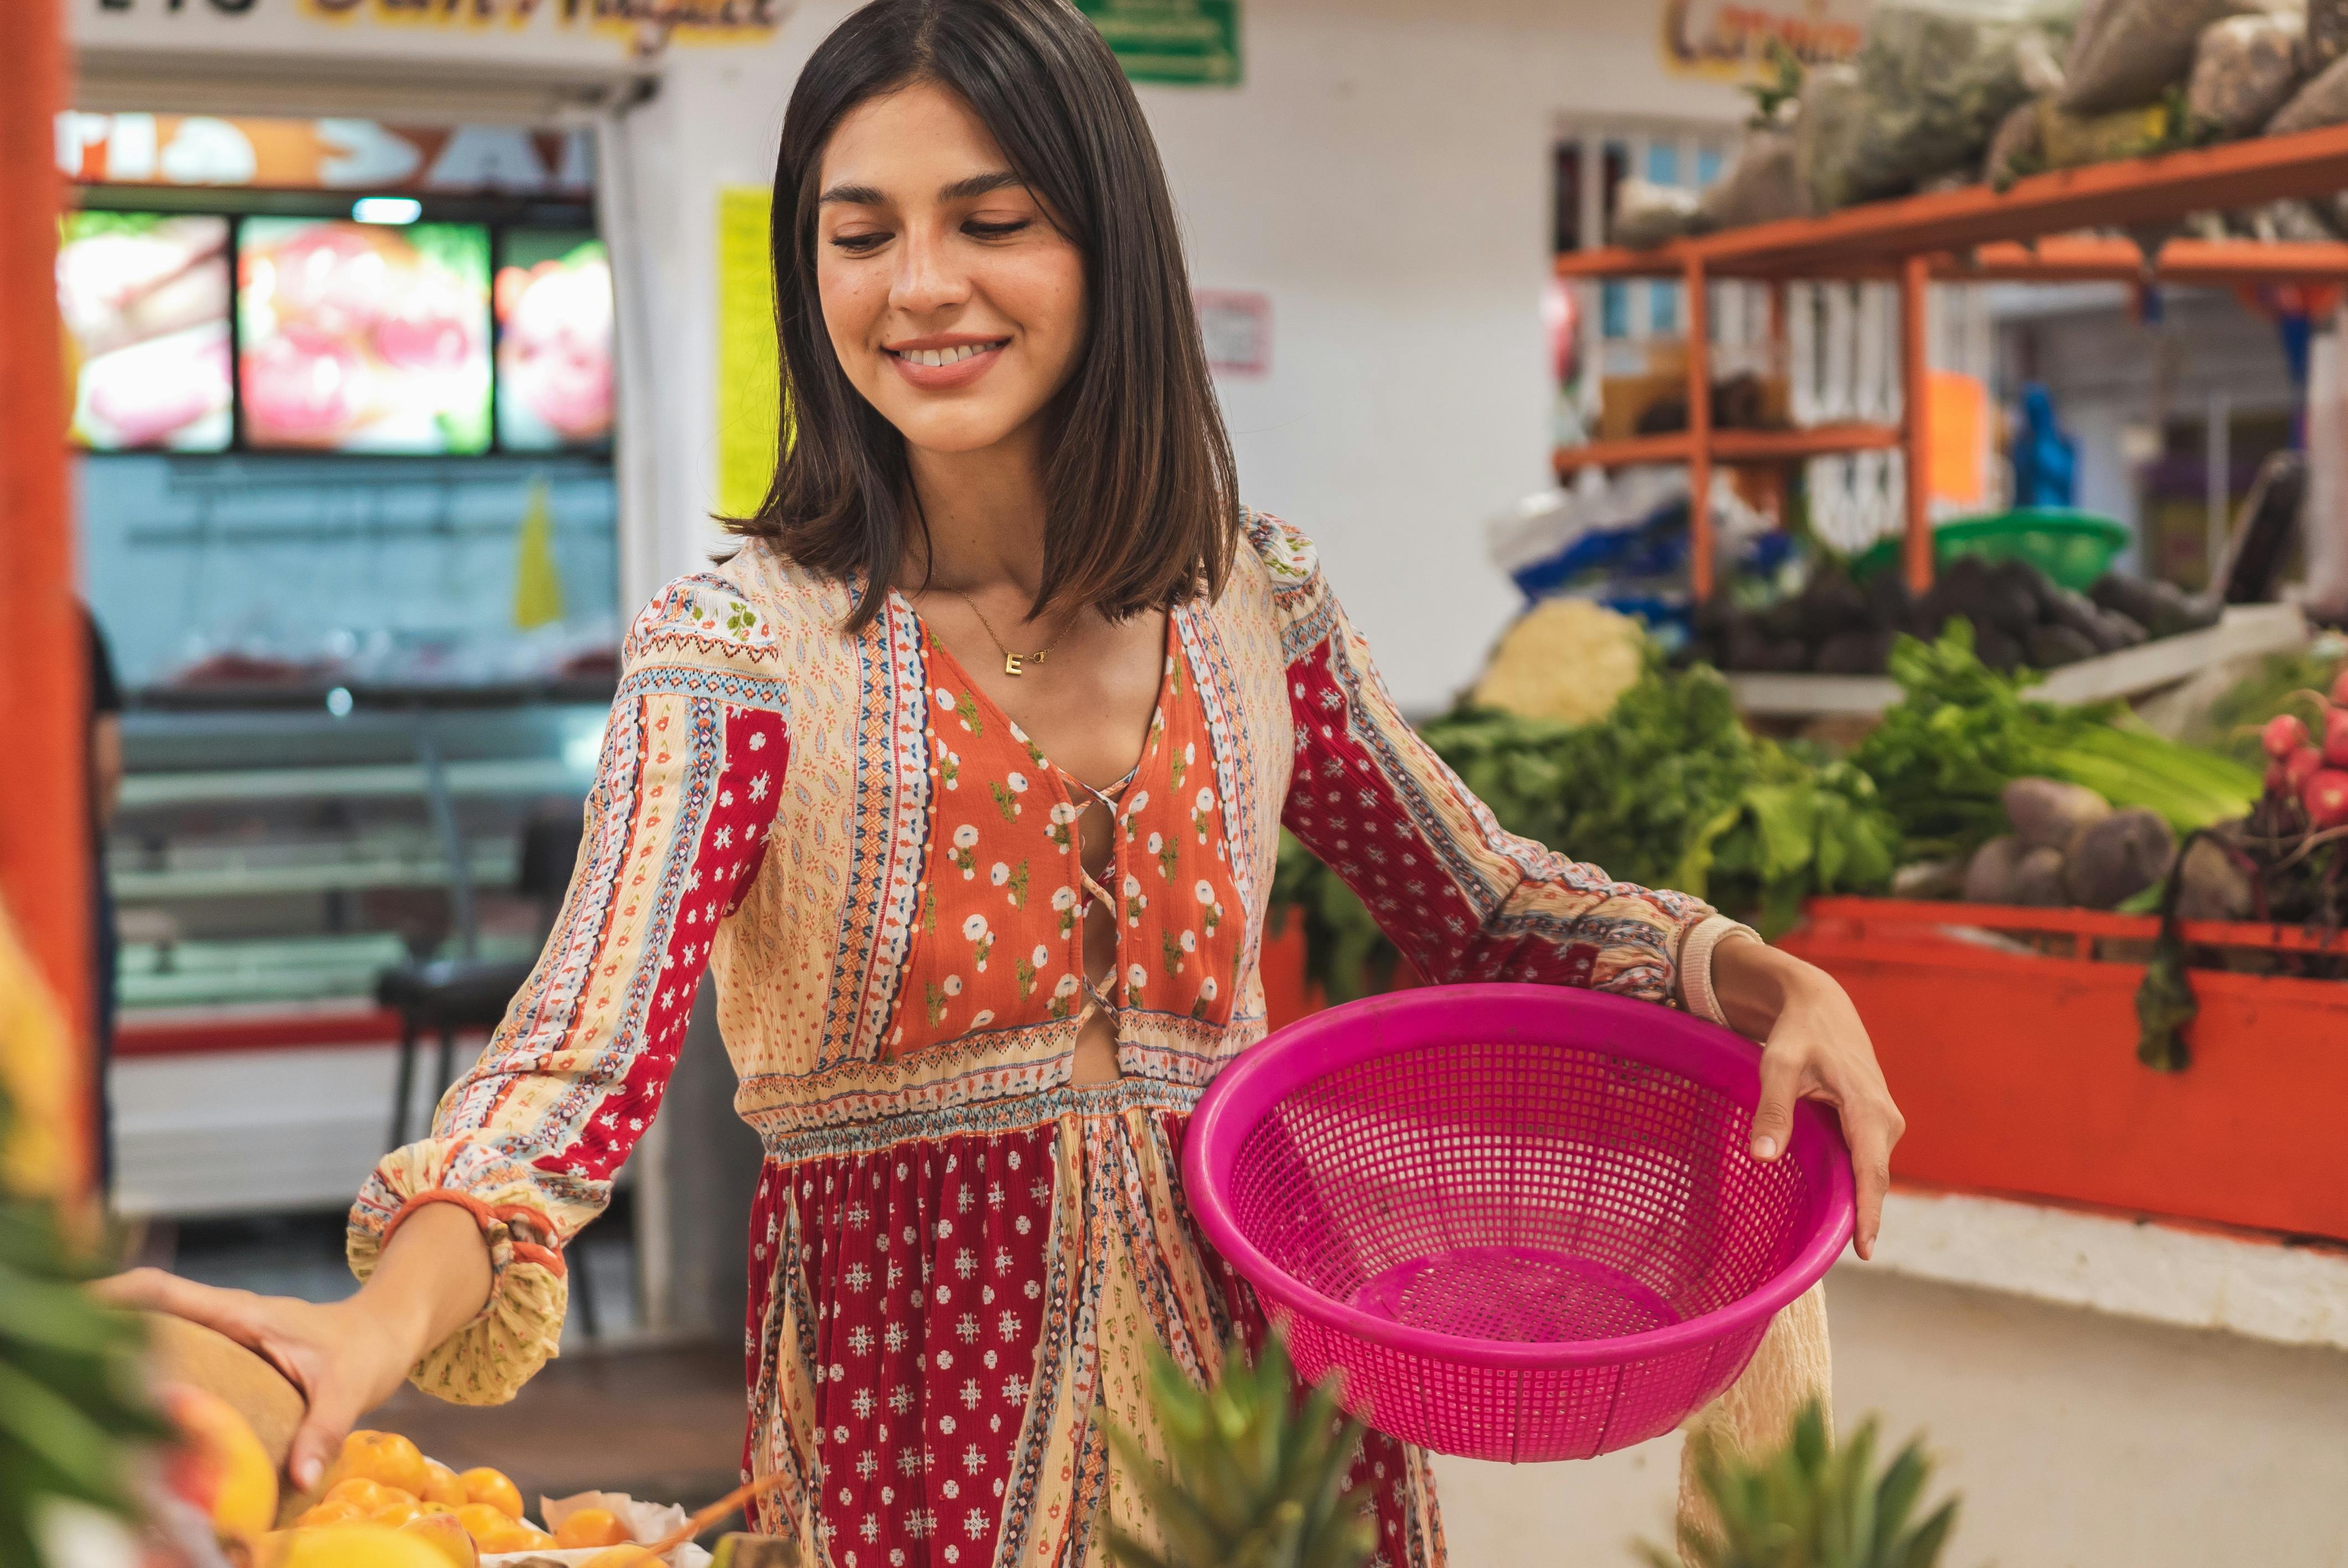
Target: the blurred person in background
pixel 106 945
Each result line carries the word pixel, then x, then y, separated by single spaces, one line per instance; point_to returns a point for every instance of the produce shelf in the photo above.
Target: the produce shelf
pixel 1984 234
pixel 2246 630
pixel 2056 259
pixel 1731 445
pixel 2018 1074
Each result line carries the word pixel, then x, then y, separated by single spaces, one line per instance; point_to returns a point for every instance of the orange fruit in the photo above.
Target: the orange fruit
pixel 361 1493
pixel 441 1485
pixel 445 1535
pixel 394 1514
pixel 218 1465
pixel 484 1523
pixel 528 1537
pixel 483 1484
pixel 385 1457
pixel 332 1511
pixel 592 1527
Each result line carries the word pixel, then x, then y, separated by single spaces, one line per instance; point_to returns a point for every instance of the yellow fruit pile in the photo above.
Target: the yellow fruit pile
pixel 383 1481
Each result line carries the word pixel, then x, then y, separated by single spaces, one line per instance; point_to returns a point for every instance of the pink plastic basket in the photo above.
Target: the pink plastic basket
pixel 1521 1221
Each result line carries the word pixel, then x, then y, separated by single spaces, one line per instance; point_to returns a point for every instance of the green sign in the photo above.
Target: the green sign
pixel 1189 43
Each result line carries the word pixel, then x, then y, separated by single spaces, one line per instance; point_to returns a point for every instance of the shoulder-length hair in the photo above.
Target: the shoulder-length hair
pixel 1142 507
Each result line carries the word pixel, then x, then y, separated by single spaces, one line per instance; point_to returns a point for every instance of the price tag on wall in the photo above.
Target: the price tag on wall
pixel 1236 327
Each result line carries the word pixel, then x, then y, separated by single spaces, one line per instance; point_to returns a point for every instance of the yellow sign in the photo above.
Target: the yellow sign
pixel 1728 38
pixel 750 365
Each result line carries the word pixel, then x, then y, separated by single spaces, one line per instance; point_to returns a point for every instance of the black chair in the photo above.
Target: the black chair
pixel 450 995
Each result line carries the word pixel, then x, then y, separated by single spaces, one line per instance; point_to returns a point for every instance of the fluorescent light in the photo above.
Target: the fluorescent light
pixel 386 210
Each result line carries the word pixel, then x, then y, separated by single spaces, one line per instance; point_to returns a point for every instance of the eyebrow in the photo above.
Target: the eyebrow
pixel 960 191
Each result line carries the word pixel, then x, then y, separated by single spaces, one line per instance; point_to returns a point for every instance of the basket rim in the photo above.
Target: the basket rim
pixel 1648 1032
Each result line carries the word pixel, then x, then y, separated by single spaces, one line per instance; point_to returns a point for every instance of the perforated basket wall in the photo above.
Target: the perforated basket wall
pixel 1513 1238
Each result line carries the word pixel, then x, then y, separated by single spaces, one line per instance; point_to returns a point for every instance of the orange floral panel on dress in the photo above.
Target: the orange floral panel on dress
pixel 1178 931
pixel 997 944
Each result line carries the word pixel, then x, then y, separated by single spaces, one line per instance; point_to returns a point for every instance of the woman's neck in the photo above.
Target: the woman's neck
pixel 985 516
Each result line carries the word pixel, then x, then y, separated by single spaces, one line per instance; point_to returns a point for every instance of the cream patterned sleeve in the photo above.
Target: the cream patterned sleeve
pixel 1463 899
pixel 527 1141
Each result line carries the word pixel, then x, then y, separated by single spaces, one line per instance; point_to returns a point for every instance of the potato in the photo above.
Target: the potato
pixel 2046 812
pixel 2118 857
pixel 1989 875
pixel 2038 879
pixel 2215 887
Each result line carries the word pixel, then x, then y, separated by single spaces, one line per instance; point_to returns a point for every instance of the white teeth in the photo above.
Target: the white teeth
pixel 936 358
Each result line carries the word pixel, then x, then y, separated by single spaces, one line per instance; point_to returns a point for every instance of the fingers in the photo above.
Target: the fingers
pixel 229 1312
pixel 1871 1133
pixel 1773 1117
pixel 331 1415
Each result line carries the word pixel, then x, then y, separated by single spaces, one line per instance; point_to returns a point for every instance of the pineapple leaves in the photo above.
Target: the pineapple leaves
pixel 1253 1479
pixel 1810 1504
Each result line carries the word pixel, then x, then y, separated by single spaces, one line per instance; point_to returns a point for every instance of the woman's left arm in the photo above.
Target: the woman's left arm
pixel 1466 900
pixel 1813 1048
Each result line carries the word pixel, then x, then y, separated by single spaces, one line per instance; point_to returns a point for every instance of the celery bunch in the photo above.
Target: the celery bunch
pixel 1961 732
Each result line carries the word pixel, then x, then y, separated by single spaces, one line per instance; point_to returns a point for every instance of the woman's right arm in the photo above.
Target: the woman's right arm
pixel 459 1238
pixel 346 1357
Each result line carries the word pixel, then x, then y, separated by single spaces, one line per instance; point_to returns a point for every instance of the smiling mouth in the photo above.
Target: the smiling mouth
pixel 938 358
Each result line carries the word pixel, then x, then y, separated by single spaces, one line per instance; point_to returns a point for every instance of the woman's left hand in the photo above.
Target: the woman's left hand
pixel 1813 1048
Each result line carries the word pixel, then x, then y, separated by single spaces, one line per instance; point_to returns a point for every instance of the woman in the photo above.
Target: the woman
pixel 964 776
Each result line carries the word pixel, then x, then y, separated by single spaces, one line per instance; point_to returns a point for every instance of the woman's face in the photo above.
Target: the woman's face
pixel 955 307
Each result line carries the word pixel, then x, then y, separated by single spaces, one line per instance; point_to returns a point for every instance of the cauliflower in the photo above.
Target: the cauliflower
pixel 1565 659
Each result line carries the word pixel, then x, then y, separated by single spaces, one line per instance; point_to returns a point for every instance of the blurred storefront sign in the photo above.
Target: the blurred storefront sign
pixel 1732 38
pixel 333 154
pixel 544 33
pixel 1180 42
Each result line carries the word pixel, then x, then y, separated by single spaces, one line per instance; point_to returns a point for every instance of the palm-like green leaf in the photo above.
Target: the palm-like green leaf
pixel 1810 1504
pixel 1254 1480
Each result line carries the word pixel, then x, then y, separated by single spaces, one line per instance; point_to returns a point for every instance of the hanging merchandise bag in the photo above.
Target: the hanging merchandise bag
pixel 2127 53
pixel 2244 69
pixel 1930 86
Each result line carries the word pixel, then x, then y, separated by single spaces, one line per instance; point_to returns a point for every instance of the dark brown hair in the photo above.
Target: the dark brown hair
pixel 1141 496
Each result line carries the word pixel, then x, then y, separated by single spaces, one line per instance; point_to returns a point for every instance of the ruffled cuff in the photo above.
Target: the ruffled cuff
pixel 519 1326
pixel 1643 968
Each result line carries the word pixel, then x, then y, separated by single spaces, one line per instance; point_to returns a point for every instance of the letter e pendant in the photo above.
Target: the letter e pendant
pixel 1010 664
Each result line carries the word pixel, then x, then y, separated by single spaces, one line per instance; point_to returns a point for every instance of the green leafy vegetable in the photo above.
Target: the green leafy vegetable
pixel 1962 732
pixel 1668 790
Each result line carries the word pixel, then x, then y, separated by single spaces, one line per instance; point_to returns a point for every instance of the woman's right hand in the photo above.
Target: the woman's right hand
pixel 343 1356
pixel 346 1357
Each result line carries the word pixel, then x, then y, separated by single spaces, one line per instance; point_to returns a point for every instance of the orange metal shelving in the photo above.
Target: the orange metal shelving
pixel 2025 233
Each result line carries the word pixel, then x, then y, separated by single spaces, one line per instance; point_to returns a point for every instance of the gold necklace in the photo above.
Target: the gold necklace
pixel 1012 661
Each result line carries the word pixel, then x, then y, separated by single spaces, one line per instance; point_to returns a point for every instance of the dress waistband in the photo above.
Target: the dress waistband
pixel 1004 1114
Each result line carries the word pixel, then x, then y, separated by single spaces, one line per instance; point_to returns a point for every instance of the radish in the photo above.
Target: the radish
pixel 2326 799
pixel 2325 796
pixel 2340 689
pixel 2303 765
pixel 2283 735
pixel 2278 780
pixel 2335 737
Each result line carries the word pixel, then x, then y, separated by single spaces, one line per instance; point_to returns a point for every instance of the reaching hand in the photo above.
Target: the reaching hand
pixel 343 1356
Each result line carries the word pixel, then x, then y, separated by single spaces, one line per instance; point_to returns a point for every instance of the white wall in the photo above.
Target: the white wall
pixel 1382 174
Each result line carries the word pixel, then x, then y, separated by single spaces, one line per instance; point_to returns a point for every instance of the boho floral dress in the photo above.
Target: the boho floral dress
pixel 962 1259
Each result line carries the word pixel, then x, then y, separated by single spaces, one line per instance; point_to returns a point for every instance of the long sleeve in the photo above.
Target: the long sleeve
pixel 1462 900
pixel 675 835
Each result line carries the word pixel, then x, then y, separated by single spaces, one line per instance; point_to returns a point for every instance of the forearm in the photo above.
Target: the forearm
pixel 1755 982
pixel 433 1280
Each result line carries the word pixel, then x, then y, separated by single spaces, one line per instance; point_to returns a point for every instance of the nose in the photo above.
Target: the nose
pixel 928 278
